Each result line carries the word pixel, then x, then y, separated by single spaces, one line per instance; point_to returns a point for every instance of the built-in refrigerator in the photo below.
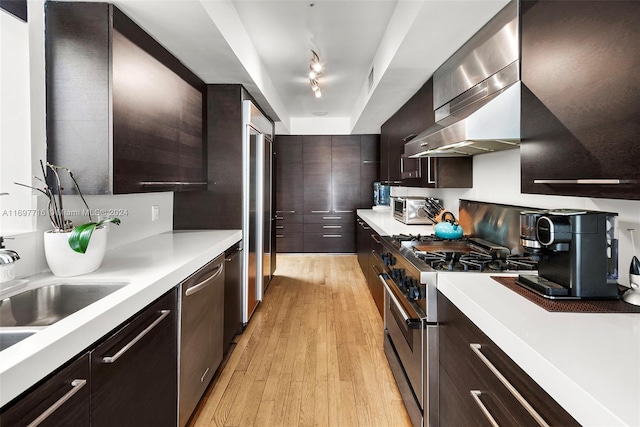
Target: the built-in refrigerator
pixel 257 215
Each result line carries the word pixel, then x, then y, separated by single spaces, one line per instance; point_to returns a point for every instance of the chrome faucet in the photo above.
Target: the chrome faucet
pixel 7 256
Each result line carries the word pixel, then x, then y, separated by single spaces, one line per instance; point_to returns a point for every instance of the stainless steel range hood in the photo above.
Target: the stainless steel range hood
pixel 475 95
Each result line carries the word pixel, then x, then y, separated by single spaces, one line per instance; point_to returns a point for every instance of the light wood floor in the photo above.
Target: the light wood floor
pixel 311 355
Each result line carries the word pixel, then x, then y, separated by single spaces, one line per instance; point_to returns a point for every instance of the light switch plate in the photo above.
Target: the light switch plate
pixel 155 212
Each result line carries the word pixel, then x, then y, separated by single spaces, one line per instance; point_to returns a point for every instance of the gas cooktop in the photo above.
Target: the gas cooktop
pixel 466 254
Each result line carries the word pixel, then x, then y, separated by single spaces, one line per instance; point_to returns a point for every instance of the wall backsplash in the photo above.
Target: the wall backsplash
pixel 134 210
pixel 496 178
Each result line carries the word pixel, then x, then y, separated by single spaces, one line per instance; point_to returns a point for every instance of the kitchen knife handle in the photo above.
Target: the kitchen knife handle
pixel 526 405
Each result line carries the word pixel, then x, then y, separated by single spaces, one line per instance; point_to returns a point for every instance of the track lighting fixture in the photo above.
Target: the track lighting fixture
pixel 315 70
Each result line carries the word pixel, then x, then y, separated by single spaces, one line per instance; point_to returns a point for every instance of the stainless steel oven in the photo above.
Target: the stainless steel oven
pixel 410 334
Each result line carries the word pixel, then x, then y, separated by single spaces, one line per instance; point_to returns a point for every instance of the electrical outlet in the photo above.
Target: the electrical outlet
pixel 155 212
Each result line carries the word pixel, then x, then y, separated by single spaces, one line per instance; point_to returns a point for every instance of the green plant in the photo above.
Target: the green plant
pixel 80 235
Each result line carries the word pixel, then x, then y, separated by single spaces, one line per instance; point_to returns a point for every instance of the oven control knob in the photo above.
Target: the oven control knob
pixel 397 274
pixel 388 258
pixel 407 282
pixel 414 293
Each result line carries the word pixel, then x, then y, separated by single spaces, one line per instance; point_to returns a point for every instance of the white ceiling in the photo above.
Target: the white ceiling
pixel 266 46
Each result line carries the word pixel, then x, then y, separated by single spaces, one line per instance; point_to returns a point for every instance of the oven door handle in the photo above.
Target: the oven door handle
pixel 411 322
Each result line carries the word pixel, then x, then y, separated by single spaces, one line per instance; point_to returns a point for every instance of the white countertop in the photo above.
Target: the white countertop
pixel 589 363
pixel 152 266
pixel 385 224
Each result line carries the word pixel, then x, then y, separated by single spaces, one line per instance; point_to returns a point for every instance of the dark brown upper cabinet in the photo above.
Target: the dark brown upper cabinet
pixel 412 118
pixel 122 112
pixel 580 111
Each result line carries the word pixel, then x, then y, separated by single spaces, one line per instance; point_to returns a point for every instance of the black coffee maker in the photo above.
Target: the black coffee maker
pixel 578 253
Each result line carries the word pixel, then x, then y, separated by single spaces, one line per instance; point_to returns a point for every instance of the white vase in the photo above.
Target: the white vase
pixel 65 262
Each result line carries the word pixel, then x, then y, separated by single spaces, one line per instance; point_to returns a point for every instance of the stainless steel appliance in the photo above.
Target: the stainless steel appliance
pixel 232 294
pixel 201 333
pixel 411 268
pixel 409 210
pixel 475 95
pixel 257 207
pixel 578 255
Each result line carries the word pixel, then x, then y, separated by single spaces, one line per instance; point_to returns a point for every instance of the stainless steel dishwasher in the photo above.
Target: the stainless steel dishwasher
pixel 201 329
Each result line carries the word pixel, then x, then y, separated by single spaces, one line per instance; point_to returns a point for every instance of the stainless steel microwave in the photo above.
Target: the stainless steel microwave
pixel 408 210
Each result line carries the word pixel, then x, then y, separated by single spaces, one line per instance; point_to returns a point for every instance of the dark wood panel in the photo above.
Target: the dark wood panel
pixel 580 111
pixel 290 242
pixel 76 410
pixel 140 388
pixel 343 218
pixel 285 227
pixel 76 45
pixel 289 191
pixel 316 153
pixel 329 227
pixel 453 172
pixel 322 243
pixel 17 8
pixel 153 130
pixel 285 217
pixel 345 172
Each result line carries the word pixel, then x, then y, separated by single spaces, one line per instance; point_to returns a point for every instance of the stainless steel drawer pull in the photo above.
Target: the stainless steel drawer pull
pixel 331 226
pixel 204 375
pixel 279 226
pixel 171 183
pixel 76 386
pixel 319 211
pixel 291 212
pixel 279 217
pixel 123 350
pixel 475 394
pixel 332 235
pixel 584 181
pixel 375 239
pixel 279 236
pixel 526 405
pixel 343 211
pixel 195 288
pixel 331 217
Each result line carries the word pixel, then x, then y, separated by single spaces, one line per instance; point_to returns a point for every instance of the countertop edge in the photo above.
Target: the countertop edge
pixel 31 360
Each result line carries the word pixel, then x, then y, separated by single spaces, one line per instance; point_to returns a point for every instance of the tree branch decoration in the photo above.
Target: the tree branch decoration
pixel 80 235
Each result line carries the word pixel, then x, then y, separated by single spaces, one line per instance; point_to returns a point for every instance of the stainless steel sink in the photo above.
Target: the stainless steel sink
pixel 46 305
pixel 11 336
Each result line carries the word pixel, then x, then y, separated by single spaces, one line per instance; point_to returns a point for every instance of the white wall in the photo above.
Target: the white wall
pixel 496 178
pixel 23 144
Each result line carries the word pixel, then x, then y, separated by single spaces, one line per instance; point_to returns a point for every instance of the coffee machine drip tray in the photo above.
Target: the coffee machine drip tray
pixel 547 288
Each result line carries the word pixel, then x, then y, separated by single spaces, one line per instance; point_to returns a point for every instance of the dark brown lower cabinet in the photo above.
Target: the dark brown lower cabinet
pixel 134 373
pixel 60 401
pixel 289 229
pixel 480 385
pixel 369 250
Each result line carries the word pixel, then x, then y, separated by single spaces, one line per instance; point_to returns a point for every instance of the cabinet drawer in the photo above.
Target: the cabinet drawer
pixel 289 217
pixel 475 364
pixel 289 242
pixel 68 390
pixel 328 227
pixel 286 228
pixel 134 373
pixel 330 242
pixel 330 218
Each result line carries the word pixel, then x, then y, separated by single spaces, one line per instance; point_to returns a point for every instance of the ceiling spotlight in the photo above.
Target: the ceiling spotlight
pixel 312 75
pixel 315 62
pixel 314 85
pixel 318 93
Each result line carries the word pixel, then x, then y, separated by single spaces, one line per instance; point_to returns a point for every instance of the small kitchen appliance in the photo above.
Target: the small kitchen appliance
pixel 578 255
pixel 528 228
pixel 410 210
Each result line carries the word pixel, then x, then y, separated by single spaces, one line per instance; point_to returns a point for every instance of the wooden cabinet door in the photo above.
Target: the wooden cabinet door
pixel 395 149
pixel 580 109
pixel 345 173
pixel 289 190
pixel 134 373
pixel 60 401
pixel 369 168
pixel 316 153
